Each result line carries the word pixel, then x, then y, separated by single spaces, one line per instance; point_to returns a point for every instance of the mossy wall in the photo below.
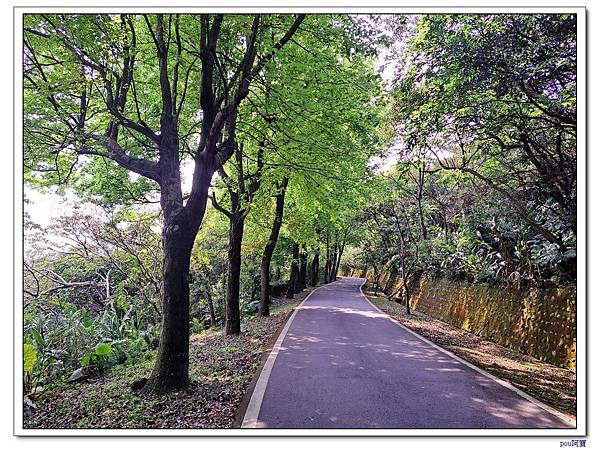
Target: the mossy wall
pixel 537 322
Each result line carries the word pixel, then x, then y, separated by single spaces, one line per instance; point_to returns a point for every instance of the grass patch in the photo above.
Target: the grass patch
pixel 230 349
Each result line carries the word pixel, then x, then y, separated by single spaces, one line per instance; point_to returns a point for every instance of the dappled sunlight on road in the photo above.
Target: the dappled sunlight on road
pixel 363 313
pixel 344 364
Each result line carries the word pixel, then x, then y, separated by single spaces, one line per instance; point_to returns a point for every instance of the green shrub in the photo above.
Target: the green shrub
pixel 64 339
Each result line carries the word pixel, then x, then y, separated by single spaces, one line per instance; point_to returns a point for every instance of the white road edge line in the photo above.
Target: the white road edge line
pixel 506 384
pixel 255 403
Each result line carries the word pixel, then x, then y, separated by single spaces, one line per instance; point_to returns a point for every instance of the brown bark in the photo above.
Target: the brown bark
pixel 293 272
pixel 265 264
pixel 301 283
pixel 234 264
pixel 181 222
pixel 171 367
pixel 314 269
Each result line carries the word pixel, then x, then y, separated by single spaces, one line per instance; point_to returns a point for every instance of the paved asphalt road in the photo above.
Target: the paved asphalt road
pixel 343 364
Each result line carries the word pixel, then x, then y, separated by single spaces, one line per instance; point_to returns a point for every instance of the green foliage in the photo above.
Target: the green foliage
pixel 68 338
pixel 481 186
pixel 29 357
pixel 493 96
pixel 484 189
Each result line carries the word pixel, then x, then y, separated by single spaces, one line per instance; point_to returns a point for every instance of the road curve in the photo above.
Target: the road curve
pixel 341 363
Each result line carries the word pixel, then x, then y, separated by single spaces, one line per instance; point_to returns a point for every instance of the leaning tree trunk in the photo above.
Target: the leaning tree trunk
pixel 234 264
pixel 314 269
pixel 265 263
pixel 332 263
pixel 293 272
pixel 337 263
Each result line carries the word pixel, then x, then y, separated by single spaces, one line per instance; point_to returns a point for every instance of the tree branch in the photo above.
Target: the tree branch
pixel 146 168
pixel 215 203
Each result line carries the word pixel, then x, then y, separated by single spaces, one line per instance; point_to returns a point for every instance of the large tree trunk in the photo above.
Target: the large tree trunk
pixel 180 227
pixel 181 222
pixel 293 272
pixel 265 263
pixel 301 283
pixel 171 367
pixel 314 269
pixel 234 264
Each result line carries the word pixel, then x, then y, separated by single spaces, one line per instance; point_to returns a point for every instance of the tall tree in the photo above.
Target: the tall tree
pixel 303 259
pixel 314 269
pixel 265 264
pixel 307 144
pixel 241 188
pixel 85 79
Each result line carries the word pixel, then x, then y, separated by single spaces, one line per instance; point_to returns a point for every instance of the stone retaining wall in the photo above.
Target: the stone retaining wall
pixel 537 322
